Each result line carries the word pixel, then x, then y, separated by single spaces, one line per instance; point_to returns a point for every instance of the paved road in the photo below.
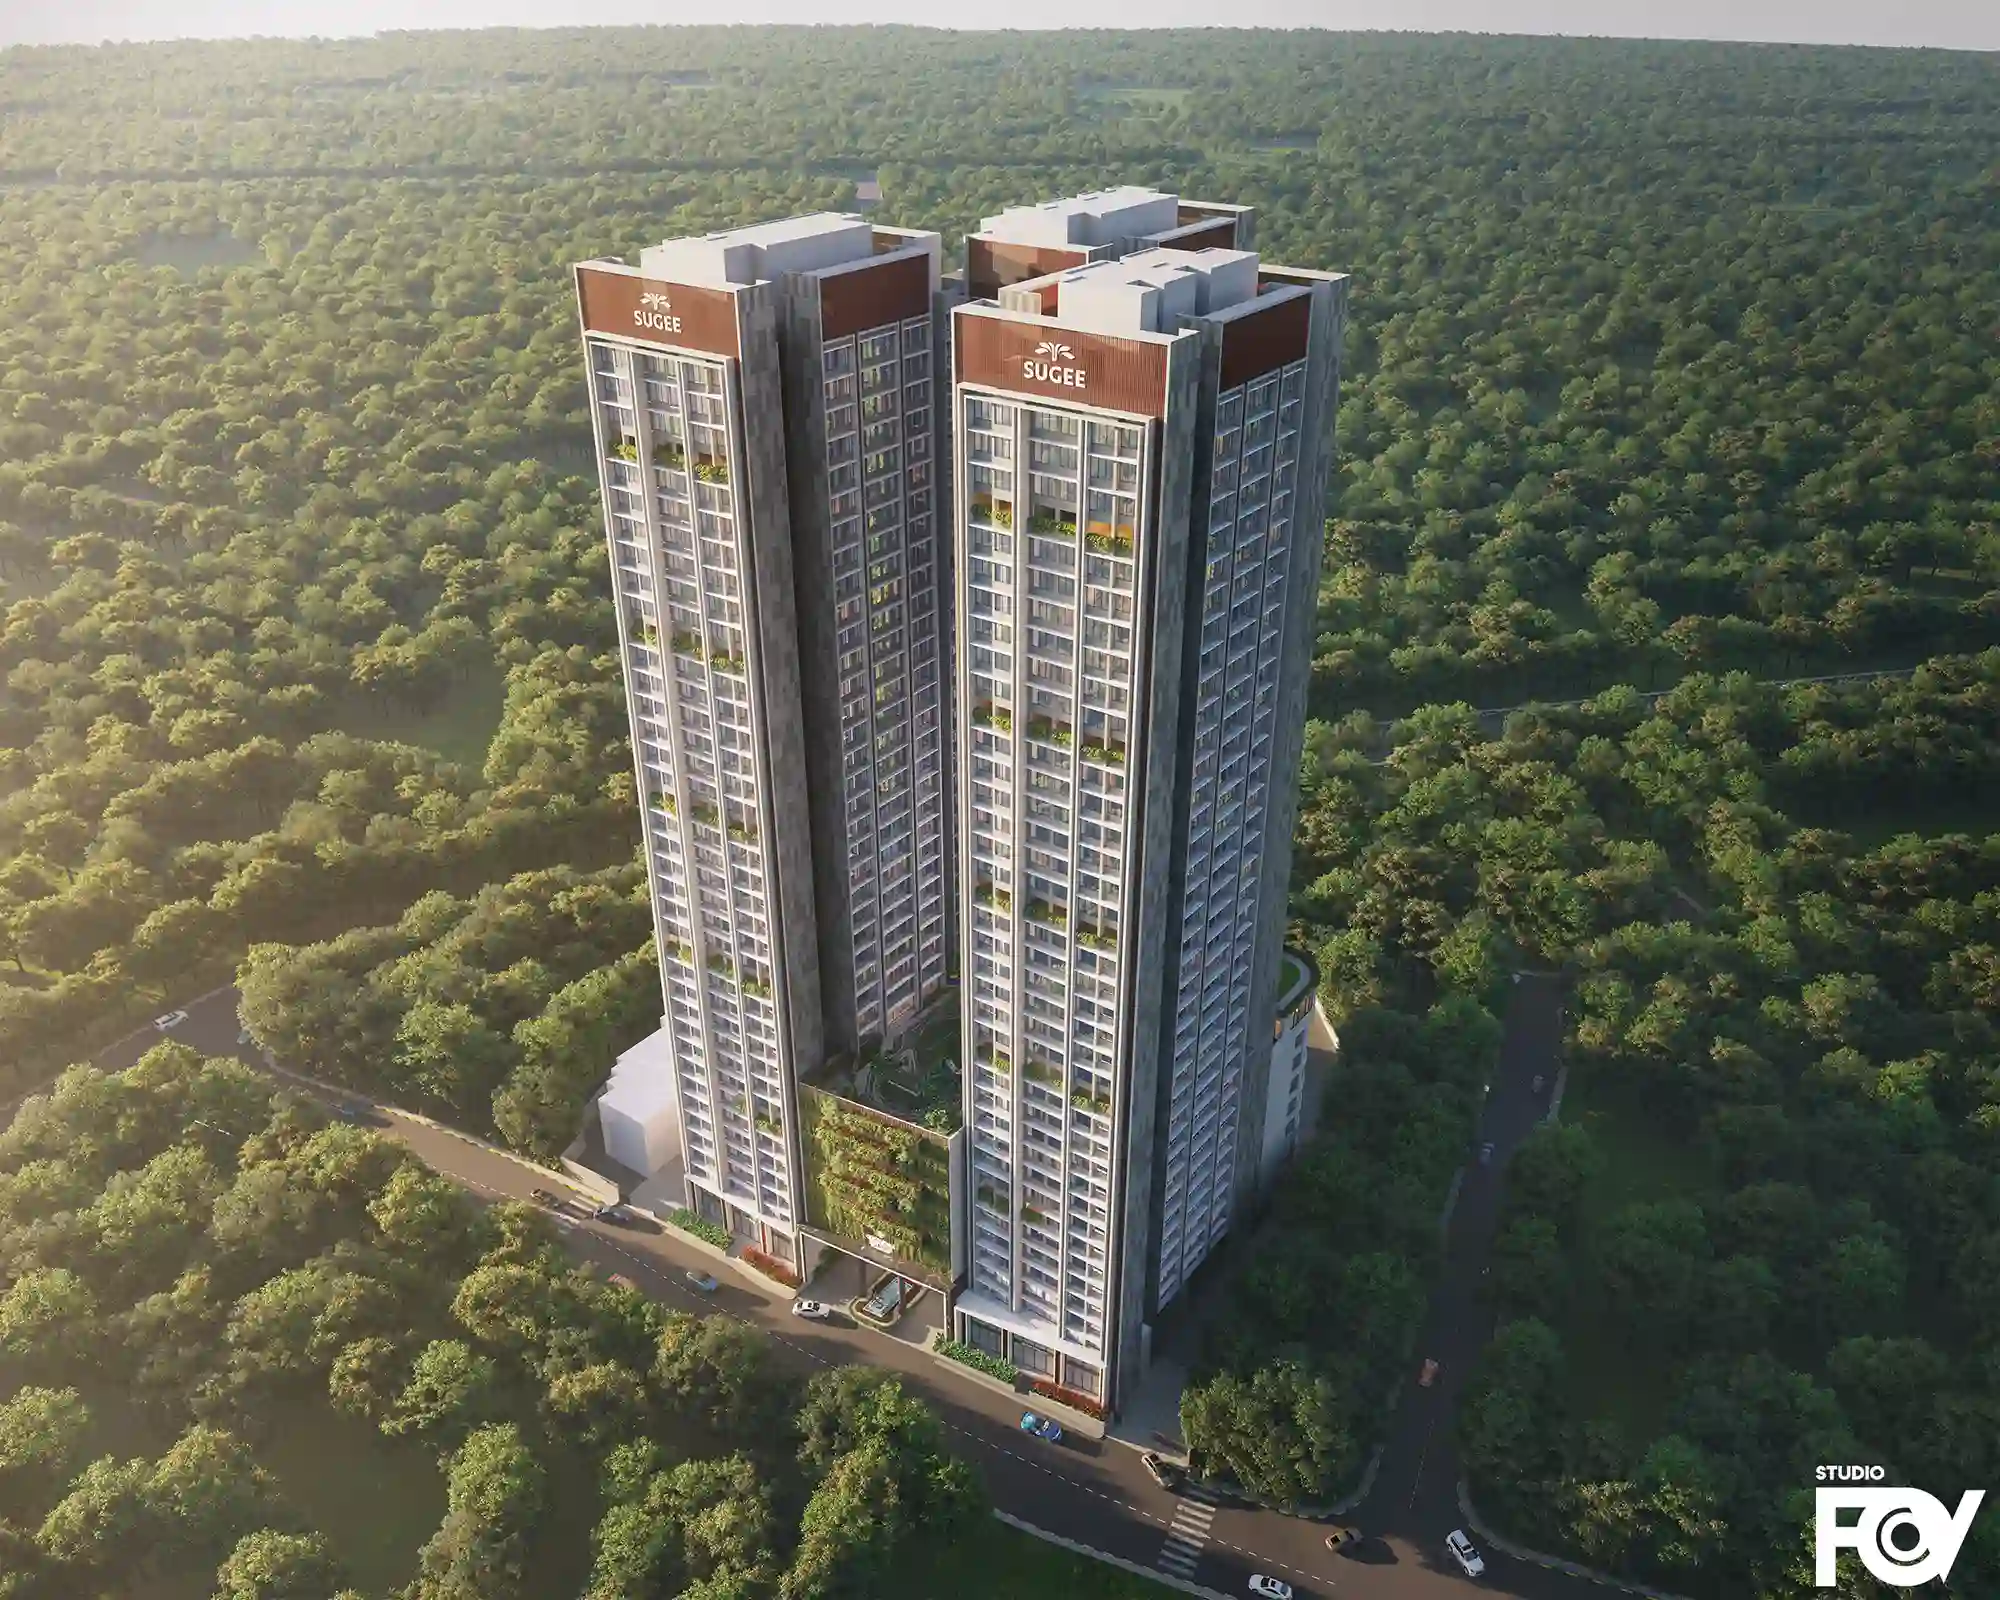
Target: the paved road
pixel 1414 1500
pixel 1092 1493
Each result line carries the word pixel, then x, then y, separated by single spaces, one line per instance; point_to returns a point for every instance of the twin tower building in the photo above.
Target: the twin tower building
pixel 966 623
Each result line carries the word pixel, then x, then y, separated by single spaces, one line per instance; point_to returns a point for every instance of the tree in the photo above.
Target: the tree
pixel 1531 1273
pixel 452 1389
pixel 1512 1420
pixel 1551 1172
pixel 424 1215
pixel 207 1490
pixel 602 1402
pixel 366 1379
pixel 702 1522
pixel 1737 1304
pixel 104 1522
pixel 565 1052
pixel 493 1500
pixel 270 1565
pixel 719 1370
pixel 1284 1433
pixel 41 1446
pixel 849 1406
pixel 1651 1260
pixel 47 1314
pixel 863 1511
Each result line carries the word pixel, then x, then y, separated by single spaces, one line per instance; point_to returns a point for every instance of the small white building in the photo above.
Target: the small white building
pixel 637 1111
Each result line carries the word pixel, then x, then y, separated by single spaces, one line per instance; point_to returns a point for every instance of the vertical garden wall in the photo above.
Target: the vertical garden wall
pixel 869 1174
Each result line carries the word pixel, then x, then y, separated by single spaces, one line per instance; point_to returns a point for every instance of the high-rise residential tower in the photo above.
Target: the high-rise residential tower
pixel 769 443
pixel 1142 445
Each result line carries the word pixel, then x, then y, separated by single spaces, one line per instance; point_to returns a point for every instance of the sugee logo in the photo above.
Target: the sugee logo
pixel 654 312
pixel 1904 1537
pixel 1043 366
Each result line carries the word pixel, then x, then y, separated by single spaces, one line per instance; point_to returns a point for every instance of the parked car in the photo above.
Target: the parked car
pixel 812 1310
pixel 170 1021
pixel 1429 1375
pixel 1539 1081
pixel 622 1215
pixel 348 1112
pixel 1270 1588
pixel 243 1036
pixel 1341 1536
pixel 618 1280
pixel 1486 1154
pixel 1169 1475
pixel 1041 1427
pixel 700 1280
pixel 546 1197
pixel 1469 1560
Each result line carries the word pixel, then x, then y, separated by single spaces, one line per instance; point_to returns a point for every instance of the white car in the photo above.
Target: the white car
pixel 812 1310
pixel 1469 1560
pixel 1270 1588
pixel 171 1021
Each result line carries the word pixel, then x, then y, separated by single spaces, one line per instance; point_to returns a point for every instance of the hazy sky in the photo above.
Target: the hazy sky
pixel 1958 24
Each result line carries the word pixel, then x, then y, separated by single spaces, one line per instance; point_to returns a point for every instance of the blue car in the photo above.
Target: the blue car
pixel 1041 1427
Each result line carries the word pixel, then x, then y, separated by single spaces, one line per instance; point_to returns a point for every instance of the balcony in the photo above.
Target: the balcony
pixel 1052 916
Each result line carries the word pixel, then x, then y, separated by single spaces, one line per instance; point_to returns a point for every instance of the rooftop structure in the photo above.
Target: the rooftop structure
pixel 770 457
pixel 1142 444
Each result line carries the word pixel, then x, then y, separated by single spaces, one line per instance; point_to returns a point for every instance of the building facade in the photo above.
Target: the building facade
pixel 1285 1094
pixel 769 450
pixel 1141 453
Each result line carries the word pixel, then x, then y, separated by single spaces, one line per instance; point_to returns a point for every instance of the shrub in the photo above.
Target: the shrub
pixel 1072 1398
pixel 972 1356
pixel 709 1232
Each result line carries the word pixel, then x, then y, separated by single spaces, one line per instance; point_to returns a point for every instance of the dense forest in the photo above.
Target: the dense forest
pixel 211 1285
pixel 1672 372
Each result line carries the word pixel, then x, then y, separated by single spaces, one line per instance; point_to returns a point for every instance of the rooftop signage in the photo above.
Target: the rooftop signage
pixel 1095 369
pixel 629 306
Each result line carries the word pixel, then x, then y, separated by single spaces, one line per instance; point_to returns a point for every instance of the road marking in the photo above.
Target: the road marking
pixel 1187 1535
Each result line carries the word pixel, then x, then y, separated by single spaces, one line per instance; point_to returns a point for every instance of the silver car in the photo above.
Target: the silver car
pixel 1469 1560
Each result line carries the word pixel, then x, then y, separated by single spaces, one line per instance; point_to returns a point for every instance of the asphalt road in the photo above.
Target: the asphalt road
pixel 1096 1493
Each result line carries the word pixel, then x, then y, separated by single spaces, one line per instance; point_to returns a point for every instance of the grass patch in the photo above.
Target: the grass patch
pixel 376 1499
pixel 459 727
pixel 1929 818
pixel 991 1561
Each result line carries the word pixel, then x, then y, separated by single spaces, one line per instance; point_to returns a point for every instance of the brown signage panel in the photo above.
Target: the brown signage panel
pixel 677 314
pixel 872 293
pixel 1262 340
pixel 991 265
pixel 1053 363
